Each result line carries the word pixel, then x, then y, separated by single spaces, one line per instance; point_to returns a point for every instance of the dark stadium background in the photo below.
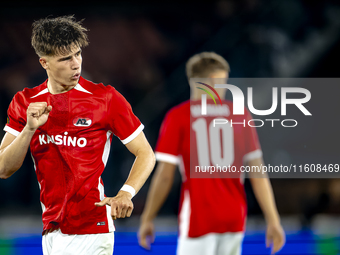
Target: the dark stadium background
pixel 141 49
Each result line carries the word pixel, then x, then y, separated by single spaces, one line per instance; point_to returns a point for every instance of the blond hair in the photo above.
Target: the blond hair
pixel 203 64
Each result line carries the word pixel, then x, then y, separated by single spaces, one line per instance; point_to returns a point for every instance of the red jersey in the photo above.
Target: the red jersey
pixel 208 205
pixel 71 149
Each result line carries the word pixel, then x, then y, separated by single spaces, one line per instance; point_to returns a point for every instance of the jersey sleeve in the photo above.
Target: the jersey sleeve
pixel 252 143
pixel 121 119
pixel 17 118
pixel 167 148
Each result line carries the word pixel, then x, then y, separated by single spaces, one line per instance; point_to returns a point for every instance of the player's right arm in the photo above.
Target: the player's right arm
pixel 160 187
pixel 13 149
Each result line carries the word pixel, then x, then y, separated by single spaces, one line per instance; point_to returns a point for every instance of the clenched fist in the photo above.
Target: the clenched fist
pixel 37 114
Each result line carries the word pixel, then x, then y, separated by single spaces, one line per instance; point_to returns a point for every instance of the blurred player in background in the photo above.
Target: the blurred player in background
pixel 212 210
pixel 68 123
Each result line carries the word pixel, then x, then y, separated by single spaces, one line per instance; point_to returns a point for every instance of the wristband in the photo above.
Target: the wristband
pixel 129 189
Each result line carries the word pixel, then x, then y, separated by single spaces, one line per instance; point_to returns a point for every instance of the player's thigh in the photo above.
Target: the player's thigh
pixel 230 244
pixel 96 244
pixel 205 245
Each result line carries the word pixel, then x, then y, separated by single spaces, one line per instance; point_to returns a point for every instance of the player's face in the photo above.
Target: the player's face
pixel 64 69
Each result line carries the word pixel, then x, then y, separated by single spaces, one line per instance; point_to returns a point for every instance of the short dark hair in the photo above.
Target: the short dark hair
pixel 57 36
pixel 203 64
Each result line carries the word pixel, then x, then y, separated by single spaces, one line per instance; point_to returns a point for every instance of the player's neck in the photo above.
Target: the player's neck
pixel 194 97
pixel 57 88
pixel 197 95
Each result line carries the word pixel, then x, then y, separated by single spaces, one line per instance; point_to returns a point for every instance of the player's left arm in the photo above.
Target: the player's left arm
pixel 144 163
pixel 121 205
pixel 264 195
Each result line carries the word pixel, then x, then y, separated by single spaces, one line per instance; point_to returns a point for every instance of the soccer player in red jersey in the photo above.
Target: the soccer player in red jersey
pixel 69 122
pixel 212 210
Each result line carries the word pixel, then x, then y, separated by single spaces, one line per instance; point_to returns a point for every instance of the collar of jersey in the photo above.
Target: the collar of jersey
pixel 77 87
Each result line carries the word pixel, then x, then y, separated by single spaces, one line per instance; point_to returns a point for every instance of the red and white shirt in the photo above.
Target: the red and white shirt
pixel 71 149
pixel 207 205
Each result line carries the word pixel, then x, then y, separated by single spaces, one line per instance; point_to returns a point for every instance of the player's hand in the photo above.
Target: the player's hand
pixel 37 115
pixel 275 237
pixel 121 205
pixel 146 234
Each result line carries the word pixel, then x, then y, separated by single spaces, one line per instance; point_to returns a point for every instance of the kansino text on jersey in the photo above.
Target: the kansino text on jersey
pixel 63 140
pixel 255 122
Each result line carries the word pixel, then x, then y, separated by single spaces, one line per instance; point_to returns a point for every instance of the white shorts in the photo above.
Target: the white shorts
pixel 211 244
pixel 57 243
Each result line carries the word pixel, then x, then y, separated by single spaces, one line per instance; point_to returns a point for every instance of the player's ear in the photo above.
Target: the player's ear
pixel 44 63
